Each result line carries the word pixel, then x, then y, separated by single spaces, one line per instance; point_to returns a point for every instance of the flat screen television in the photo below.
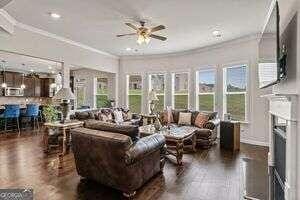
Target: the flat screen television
pixel 270 68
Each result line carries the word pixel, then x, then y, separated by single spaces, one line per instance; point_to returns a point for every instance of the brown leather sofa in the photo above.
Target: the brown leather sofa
pixel 93 114
pixel 207 135
pixel 117 160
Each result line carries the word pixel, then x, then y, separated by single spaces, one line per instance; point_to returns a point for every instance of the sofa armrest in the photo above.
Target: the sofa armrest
pixel 144 146
pixel 212 124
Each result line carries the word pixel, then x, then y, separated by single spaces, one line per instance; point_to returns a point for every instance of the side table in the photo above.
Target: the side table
pixel 63 128
pixel 230 135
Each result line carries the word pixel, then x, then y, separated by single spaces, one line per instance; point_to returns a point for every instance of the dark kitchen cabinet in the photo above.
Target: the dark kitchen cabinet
pixel 1 89
pixel 37 87
pixel 45 85
pixel 9 79
pixel 34 86
pixel 17 80
pixel 30 88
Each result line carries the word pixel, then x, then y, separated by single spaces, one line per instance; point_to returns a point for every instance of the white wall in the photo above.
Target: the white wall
pixel 240 51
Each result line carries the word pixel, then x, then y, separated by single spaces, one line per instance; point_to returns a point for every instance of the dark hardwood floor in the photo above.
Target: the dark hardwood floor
pixel 212 174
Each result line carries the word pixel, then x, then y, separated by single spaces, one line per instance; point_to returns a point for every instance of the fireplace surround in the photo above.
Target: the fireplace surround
pixel 283 151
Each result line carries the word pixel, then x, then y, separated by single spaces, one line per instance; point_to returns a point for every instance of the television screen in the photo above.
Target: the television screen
pixel 268 67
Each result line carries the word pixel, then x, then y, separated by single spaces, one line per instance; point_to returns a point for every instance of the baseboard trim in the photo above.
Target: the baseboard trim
pixel 253 142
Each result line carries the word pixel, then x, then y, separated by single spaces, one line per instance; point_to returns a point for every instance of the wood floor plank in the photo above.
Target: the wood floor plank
pixel 205 175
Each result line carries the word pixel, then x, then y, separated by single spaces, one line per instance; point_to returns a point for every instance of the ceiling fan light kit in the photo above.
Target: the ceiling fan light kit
pixel 144 34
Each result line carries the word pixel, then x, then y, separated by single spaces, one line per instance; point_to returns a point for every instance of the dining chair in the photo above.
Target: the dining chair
pixel 11 112
pixel 32 112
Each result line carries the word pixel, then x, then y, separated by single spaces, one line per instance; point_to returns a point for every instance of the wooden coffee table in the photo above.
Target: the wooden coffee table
pixel 175 137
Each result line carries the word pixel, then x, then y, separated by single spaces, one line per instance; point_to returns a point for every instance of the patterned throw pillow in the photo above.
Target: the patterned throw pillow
pixel 103 117
pixel 168 117
pixel 118 116
pixel 201 119
pixel 185 118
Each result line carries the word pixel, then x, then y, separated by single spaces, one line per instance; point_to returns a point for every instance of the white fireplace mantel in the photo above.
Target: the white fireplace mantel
pixel 285 107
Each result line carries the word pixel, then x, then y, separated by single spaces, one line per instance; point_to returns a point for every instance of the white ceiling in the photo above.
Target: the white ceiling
pixel 189 22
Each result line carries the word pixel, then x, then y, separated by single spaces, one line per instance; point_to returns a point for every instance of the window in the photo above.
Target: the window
pixel 180 90
pixel 102 93
pixel 135 93
pixel 157 82
pixel 235 90
pixel 80 93
pixel 206 90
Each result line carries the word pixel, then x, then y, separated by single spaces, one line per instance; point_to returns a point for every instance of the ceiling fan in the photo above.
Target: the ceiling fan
pixel 144 34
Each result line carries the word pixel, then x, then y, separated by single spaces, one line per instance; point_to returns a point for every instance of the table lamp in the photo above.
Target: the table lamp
pixel 152 99
pixel 65 95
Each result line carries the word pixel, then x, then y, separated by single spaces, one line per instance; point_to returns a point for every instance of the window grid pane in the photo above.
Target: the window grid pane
pixel 157 82
pixel 236 106
pixel 102 86
pixel 206 90
pixel 206 102
pixel 236 79
pixel 181 90
pixel 102 101
pixel 102 93
pixel 135 93
pixel 181 101
pixel 235 92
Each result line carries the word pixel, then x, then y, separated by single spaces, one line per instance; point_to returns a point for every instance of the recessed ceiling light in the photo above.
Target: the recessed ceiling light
pixel 52 72
pixel 55 15
pixel 32 70
pixel 49 67
pixel 217 33
pixel 128 49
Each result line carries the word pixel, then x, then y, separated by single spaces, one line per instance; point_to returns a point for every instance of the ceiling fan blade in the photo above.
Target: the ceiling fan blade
pixel 157 28
pixel 158 37
pixel 121 35
pixel 132 26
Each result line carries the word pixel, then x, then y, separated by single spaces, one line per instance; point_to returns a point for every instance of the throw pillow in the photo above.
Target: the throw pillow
pixel 184 118
pixel 201 119
pixel 103 117
pixel 168 117
pixel 118 116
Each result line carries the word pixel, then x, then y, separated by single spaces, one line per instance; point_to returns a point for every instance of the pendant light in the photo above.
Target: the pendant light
pixel 23 86
pixel 3 85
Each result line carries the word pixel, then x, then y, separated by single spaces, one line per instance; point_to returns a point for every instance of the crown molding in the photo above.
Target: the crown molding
pixel 51 35
pixel 9 18
pixel 4 3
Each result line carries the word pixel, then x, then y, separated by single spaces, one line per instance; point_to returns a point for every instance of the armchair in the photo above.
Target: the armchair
pixel 114 160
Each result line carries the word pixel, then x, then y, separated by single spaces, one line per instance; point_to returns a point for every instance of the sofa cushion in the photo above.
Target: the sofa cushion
pixel 201 119
pixel 129 130
pixel 84 115
pixel 176 114
pixel 184 118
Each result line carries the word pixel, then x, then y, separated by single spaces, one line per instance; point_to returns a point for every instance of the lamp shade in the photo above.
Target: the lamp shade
pixel 153 96
pixel 64 94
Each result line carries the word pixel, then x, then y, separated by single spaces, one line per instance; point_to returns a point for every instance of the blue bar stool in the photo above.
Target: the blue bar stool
pixel 32 112
pixel 12 111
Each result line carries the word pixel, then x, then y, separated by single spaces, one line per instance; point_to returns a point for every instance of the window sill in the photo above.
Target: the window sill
pixel 242 122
